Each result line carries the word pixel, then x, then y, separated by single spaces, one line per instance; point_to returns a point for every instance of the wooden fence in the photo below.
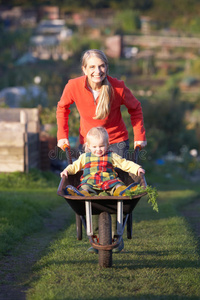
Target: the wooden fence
pixel 161 41
pixel 19 139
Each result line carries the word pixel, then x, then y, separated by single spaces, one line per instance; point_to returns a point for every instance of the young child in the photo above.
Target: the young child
pixel 98 165
pixel 99 175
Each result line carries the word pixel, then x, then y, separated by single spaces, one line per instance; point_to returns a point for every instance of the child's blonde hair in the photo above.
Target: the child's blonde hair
pixel 103 106
pixel 96 132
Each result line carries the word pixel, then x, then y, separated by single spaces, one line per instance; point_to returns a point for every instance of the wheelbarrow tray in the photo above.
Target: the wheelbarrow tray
pixel 100 203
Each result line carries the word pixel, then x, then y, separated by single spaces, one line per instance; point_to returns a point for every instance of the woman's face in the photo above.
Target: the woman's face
pixel 96 71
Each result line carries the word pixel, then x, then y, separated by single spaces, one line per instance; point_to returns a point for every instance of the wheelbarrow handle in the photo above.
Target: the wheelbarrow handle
pixel 136 156
pixel 143 182
pixel 67 149
pixel 136 153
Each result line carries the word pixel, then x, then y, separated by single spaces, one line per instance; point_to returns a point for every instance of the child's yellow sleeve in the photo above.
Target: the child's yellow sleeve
pixel 124 164
pixel 77 165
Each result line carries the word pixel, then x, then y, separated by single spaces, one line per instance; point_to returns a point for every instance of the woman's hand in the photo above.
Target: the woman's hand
pixel 141 144
pixel 63 142
pixel 140 171
pixel 64 173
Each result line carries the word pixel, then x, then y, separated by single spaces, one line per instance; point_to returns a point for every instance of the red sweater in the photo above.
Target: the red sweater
pixel 76 90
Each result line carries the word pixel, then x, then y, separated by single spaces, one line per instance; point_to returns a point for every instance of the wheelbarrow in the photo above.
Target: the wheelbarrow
pixel 104 206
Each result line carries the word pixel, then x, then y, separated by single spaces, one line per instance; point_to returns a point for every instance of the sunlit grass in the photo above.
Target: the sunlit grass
pixel 161 260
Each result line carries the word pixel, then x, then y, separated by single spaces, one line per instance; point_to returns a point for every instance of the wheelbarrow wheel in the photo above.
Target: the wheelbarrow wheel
pixel 129 226
pixel 78 227
pixel 105 238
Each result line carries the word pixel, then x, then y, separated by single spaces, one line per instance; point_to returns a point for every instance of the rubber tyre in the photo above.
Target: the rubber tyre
pixel 78 227
pixel 129 226
pixel 105 238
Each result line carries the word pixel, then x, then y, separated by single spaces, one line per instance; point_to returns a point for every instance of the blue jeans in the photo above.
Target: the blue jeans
pixel 120 148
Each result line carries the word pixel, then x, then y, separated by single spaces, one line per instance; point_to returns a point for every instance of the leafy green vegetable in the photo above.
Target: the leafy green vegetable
pixel 151 193
pixel 104 193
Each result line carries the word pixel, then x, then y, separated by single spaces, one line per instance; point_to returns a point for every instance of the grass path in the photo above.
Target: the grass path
pixel 160 262
pixel 17 265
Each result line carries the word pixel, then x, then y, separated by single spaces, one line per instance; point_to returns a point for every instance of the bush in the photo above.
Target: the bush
pixel 127 21
pixel 165 126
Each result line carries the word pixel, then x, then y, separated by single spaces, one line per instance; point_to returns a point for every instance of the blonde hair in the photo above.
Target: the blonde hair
pixel 103 106
pixel 96 132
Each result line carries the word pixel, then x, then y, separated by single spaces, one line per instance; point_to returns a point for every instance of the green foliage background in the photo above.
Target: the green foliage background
pixel 164 112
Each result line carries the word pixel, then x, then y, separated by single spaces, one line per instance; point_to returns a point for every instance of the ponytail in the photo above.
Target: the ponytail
pixel 104 101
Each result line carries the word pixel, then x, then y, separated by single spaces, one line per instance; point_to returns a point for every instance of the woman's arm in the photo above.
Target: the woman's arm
pixel 63 111
pixel 136 116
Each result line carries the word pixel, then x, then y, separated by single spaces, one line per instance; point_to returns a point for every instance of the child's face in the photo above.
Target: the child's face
pixel 97 146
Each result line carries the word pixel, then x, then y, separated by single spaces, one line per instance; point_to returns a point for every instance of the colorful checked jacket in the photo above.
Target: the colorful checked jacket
pixel 99 171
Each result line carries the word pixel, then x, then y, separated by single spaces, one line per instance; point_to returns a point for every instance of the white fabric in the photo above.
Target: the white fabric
pixel 95 94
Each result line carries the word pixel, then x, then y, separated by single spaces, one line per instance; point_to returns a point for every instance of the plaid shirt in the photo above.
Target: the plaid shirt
pixel 99 172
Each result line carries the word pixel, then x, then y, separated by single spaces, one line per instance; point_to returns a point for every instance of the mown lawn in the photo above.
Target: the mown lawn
pixel 160 262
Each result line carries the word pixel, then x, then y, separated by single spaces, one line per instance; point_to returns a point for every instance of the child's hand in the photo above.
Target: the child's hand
pixel 140 171
pixel 64 173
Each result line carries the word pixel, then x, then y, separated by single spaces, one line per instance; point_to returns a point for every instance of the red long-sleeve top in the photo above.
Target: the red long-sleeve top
pixel 76 90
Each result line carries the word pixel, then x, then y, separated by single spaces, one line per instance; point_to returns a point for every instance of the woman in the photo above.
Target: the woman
pixel 98 98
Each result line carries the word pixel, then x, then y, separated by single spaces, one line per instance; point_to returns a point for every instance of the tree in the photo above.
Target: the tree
pixel 127 21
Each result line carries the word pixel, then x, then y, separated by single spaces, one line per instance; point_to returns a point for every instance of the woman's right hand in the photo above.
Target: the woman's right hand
pixel 62 142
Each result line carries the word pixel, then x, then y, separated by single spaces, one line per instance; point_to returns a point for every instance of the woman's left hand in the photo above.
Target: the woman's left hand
pixel 141 144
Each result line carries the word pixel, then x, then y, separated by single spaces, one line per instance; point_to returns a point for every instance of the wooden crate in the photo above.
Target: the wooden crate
pixel 19 142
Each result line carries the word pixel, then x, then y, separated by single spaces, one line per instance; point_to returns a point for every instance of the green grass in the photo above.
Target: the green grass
pixel 160 262
pixel 22 213
pixel 35 179
pixel 25 200
pixel 147 269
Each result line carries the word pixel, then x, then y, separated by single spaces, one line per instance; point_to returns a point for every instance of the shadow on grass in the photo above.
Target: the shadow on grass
pixel 145 297
pixel 131 264
pixel 165 264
